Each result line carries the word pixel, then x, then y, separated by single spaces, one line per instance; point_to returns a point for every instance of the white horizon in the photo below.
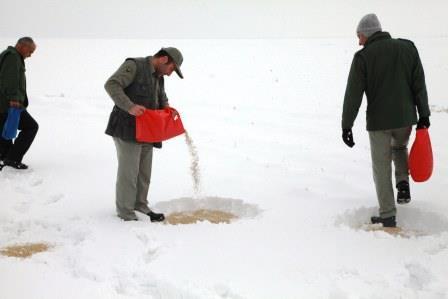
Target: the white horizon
pixel 182 19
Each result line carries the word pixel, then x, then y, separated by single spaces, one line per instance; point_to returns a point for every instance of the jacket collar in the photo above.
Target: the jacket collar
pixel 13 50
pixel 151 69
pixel 380 35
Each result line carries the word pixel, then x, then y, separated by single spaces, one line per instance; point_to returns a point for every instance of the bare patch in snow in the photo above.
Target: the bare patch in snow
pixel 24 250
pixel 411 222
pixel 191 217
pixel 395 231
pixel 214 209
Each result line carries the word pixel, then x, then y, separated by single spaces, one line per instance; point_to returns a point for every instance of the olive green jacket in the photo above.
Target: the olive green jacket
pixel 135 82
pixel 12 79
pixel 391 74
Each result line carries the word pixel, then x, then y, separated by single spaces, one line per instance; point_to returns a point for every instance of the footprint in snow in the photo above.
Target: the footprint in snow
pixel 150 255
pixel 151 247
pixel 37 182
pixel 438 248
pixel 22 207
pixel 419 276
pixel 54 199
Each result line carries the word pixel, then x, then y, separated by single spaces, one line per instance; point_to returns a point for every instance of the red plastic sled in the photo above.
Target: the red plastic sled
pixel 420 157
pixel 158 125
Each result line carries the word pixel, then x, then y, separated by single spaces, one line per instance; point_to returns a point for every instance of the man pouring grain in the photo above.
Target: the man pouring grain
pixel 138 84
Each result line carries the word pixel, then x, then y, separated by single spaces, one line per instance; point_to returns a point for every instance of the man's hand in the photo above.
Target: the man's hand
pixel 157 144
pixel 423 122
pixel 347 137
pixel 137 110
pixel 15 104
pixel 174 113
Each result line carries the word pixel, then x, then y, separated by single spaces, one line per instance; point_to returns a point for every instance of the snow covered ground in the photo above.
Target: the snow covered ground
pixel 265 118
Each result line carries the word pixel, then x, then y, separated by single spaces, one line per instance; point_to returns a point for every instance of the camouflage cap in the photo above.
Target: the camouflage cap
pixel 177 57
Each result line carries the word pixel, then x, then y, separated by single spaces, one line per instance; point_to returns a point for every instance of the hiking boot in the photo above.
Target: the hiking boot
pixel 403 193
pixel 386 222
pixel 156 217
pixel 15 164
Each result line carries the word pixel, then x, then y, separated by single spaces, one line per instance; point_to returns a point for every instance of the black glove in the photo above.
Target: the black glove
pixel 423 122
pixel 157 144
pixel 347 137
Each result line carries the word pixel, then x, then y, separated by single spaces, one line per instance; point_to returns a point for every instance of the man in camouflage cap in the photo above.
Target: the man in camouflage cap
pixel 138 84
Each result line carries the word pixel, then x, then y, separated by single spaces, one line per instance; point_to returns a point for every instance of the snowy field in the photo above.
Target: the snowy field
pixel 265 118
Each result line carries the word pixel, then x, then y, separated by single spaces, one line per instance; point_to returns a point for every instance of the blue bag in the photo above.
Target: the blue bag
pixel 12 123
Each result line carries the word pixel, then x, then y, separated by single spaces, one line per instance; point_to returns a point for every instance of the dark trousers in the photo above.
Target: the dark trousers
pixel 15 150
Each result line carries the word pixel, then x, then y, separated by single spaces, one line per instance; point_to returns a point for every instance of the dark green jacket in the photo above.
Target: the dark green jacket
pixel 12 79
pixel 391 74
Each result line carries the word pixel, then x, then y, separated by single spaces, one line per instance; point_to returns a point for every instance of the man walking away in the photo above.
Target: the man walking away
pixel 390 73
pixel 13 94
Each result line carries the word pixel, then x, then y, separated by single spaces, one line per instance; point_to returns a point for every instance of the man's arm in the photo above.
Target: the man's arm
pixel 354 91
pixel 116 84
pixel 10 81
pixel 419 88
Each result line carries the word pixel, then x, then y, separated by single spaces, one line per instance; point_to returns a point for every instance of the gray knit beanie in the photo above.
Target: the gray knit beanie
pixel 368 25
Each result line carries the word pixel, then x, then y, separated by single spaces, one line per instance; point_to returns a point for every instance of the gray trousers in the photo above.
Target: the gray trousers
pixel 133 178
pixel 387 146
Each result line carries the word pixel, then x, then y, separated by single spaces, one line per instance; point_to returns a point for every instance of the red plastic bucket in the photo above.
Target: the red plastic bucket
pixel 420 157
pixel 158 125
